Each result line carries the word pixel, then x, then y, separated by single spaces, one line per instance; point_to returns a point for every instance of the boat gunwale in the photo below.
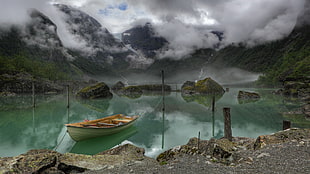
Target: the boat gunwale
pixel 113 127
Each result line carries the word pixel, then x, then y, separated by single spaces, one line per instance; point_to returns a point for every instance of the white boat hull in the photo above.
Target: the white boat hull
pixel 82 133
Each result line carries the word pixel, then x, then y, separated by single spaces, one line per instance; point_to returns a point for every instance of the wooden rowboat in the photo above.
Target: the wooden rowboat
pixel 100 127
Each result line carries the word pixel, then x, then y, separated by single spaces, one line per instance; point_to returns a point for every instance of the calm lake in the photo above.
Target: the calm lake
pixel 23 128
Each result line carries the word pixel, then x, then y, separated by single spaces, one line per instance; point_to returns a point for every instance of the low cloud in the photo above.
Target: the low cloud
pixel 17 13
pixel 184 39
pixel 186 24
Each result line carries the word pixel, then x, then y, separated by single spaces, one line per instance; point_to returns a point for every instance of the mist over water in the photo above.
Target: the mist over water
pixel 225 76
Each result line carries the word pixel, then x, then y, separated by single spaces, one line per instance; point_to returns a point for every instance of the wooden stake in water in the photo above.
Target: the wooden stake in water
pixel 68 115
pixel 227 124
pixel 163 108
pixel 198 140
pixel 213 124
pixel 33 120
pixel 163 88
pixel 33 96
pixel 68 97
pixel 286 124
pixel 213 103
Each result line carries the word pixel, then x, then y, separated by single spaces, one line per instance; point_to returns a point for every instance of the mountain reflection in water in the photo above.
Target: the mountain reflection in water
pixel 24 128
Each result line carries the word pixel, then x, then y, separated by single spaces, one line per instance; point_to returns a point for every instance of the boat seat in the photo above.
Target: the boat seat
pixel 122 120
pixel 106 124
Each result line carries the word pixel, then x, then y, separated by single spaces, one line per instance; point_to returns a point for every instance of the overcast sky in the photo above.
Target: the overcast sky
pixel 185 23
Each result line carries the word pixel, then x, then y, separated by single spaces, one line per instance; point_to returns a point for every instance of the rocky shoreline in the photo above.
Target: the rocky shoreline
pixel 282 152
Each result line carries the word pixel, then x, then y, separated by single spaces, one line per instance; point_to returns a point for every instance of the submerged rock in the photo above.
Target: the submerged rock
pixel 155 87
pixel 206 86
pixel 130 92
pixel 248 95
pixel 100 90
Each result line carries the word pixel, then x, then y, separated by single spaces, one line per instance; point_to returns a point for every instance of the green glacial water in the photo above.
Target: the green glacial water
pixel 23 128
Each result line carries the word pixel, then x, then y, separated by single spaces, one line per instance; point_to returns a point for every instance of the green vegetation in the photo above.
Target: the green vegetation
pixel 38 69
pixel 281 60
pixel 292 66
pixel 93 87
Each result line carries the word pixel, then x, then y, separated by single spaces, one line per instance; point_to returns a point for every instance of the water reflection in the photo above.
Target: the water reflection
pixel 100 105
pixel 100 144
pixel 25 128
pixel 205 99
pixel 244 101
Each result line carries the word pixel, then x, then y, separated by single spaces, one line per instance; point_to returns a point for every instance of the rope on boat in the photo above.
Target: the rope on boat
pixel 159 102
pixel 60 141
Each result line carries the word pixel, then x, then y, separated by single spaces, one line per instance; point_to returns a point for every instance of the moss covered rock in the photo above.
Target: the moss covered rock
pixel 206 86
pixel 282 136
pixel 48 161
pixel 100 90
pixel 131 90
pixel 247 97
pixel 188 87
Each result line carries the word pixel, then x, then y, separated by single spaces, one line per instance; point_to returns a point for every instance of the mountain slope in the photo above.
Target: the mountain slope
pixel 100 52
pixel 277 59
pixel 94 51
pixel 21 48
pixel 144 39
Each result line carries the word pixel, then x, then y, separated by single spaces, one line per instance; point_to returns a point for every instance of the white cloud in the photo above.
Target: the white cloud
pixel 185 23
pixel 184 39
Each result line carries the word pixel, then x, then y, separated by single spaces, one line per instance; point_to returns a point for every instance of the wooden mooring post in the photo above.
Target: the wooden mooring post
pixel 227 89
pixel 163 108
pixel 227 124
pixel 286 124
pixel 198 140
pixel 213 103
pixel 33 96
pixel 68 97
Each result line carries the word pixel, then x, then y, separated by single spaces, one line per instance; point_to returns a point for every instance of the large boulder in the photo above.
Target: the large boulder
pixel 206 86
pixel 188 87
pixel 100 90
pixel 218 150
pixel 248 95
pixel 48 161
pixel 282 136
pixel 297 88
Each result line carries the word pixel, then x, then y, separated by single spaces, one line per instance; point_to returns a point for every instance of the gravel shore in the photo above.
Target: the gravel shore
pixel 285 151
pixel 288 157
